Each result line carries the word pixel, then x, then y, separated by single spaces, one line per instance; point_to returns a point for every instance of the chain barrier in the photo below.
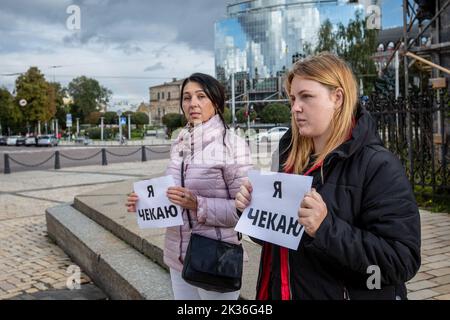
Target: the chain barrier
pixel 149 149
pixel 80 159
pixel 58 154
pixel 123 155
pixel 30 165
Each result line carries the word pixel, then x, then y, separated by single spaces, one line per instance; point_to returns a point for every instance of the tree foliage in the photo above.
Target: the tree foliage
pixel 354 43
pixel 240 115
pixel 227 115
pixel 88 95
pixel 173 121
pixel 140 118
pixel 10 115
pixel 276 113
pixel 40 96
pixel 111 117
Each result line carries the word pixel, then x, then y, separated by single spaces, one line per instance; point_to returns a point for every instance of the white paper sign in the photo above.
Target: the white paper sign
pixel 153 209
pixel 272 215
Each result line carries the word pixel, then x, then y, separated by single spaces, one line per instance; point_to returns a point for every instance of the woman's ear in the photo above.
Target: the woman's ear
pixel 338 98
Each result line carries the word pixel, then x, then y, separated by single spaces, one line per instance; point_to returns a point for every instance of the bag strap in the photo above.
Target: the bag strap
pixel 182 184
pixel 219 234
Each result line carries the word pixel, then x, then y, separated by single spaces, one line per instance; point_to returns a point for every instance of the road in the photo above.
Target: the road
pixel 34 158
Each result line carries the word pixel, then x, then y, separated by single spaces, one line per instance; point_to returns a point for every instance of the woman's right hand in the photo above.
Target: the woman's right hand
pixel 131 202
pixel 244 196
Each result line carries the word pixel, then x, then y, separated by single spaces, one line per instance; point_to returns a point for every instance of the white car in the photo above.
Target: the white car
pixel 12 140
pixel 30 141
pixel 273 134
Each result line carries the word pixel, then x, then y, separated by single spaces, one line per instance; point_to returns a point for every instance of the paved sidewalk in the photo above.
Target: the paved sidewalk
pixel 30 262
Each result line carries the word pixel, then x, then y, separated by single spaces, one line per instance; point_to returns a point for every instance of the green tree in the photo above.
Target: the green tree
pixel 241 118
pixel 227 115
pixel 39 94
pixel 88 95
pixel 140 118
pixel 276 113
pixel 354 43
pixel 327 38
pixel 10 114
pixel 173 121
pixel 110 117
pixel 60 109
pixel 93 118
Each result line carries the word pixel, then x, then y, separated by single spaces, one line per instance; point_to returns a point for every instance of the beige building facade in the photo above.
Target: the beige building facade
pixel 164 99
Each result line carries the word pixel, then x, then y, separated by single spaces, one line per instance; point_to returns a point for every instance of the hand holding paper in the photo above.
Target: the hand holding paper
pixel 154 209
pixel 272 215
pixel 312 212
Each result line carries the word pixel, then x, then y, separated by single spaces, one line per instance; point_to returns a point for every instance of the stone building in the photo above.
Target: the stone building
pixel 165 98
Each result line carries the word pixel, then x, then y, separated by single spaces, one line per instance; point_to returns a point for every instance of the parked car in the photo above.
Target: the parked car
pixel 273 134
pixel 30 141
pixel 3 140
pixel 12 140
pixel 83 140
pixel 47 140
pixel 20 141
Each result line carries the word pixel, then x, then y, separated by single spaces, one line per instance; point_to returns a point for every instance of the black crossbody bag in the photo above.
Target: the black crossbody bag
pixel 211 264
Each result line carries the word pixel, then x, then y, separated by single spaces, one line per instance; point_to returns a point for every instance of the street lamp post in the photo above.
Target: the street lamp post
pixel 129 126
pixel 119 113
pixel 78 127
pixel 101 128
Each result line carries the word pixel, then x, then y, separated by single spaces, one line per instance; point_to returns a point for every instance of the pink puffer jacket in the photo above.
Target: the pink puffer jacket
pixel 214 173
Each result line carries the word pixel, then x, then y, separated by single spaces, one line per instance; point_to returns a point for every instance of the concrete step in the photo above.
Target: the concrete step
pixel 107 208
pixel 113 265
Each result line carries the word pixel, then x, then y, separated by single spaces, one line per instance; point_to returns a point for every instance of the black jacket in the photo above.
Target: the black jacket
pixel 372 220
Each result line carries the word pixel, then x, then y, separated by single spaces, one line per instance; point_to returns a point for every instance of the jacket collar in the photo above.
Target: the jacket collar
pixel 198 137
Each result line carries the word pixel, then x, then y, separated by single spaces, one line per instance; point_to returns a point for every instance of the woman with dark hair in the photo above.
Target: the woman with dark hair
pixel 208 163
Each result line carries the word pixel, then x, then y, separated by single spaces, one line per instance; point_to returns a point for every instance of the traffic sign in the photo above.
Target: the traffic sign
pixel 68 120
pixel 123 120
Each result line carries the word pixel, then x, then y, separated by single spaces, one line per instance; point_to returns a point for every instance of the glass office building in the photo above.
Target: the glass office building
pixel 260 38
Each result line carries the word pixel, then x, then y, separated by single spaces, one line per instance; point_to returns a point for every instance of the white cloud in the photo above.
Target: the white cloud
pixel 119 39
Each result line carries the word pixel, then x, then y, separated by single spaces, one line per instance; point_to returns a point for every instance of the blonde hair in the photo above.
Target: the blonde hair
pixel 334 73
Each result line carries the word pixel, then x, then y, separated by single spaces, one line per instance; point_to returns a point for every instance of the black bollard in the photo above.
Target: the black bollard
pixel 144 154
pixel 7 168
pixel 104 160
pixel 57 163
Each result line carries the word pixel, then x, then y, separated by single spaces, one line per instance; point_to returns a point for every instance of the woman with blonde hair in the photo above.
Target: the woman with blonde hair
pixel 361 221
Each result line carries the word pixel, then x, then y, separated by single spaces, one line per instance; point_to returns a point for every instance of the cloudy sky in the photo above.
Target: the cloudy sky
pixel 127 45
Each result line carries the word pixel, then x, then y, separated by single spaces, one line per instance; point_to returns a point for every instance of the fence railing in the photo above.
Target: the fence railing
pixel 417 131
pixel 57 155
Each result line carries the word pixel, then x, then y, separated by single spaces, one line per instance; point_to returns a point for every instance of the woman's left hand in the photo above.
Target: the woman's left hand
pixel 182 197
pixel 312 212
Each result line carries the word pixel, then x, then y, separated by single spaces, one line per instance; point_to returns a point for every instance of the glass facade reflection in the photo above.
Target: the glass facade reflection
pixel 260 38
